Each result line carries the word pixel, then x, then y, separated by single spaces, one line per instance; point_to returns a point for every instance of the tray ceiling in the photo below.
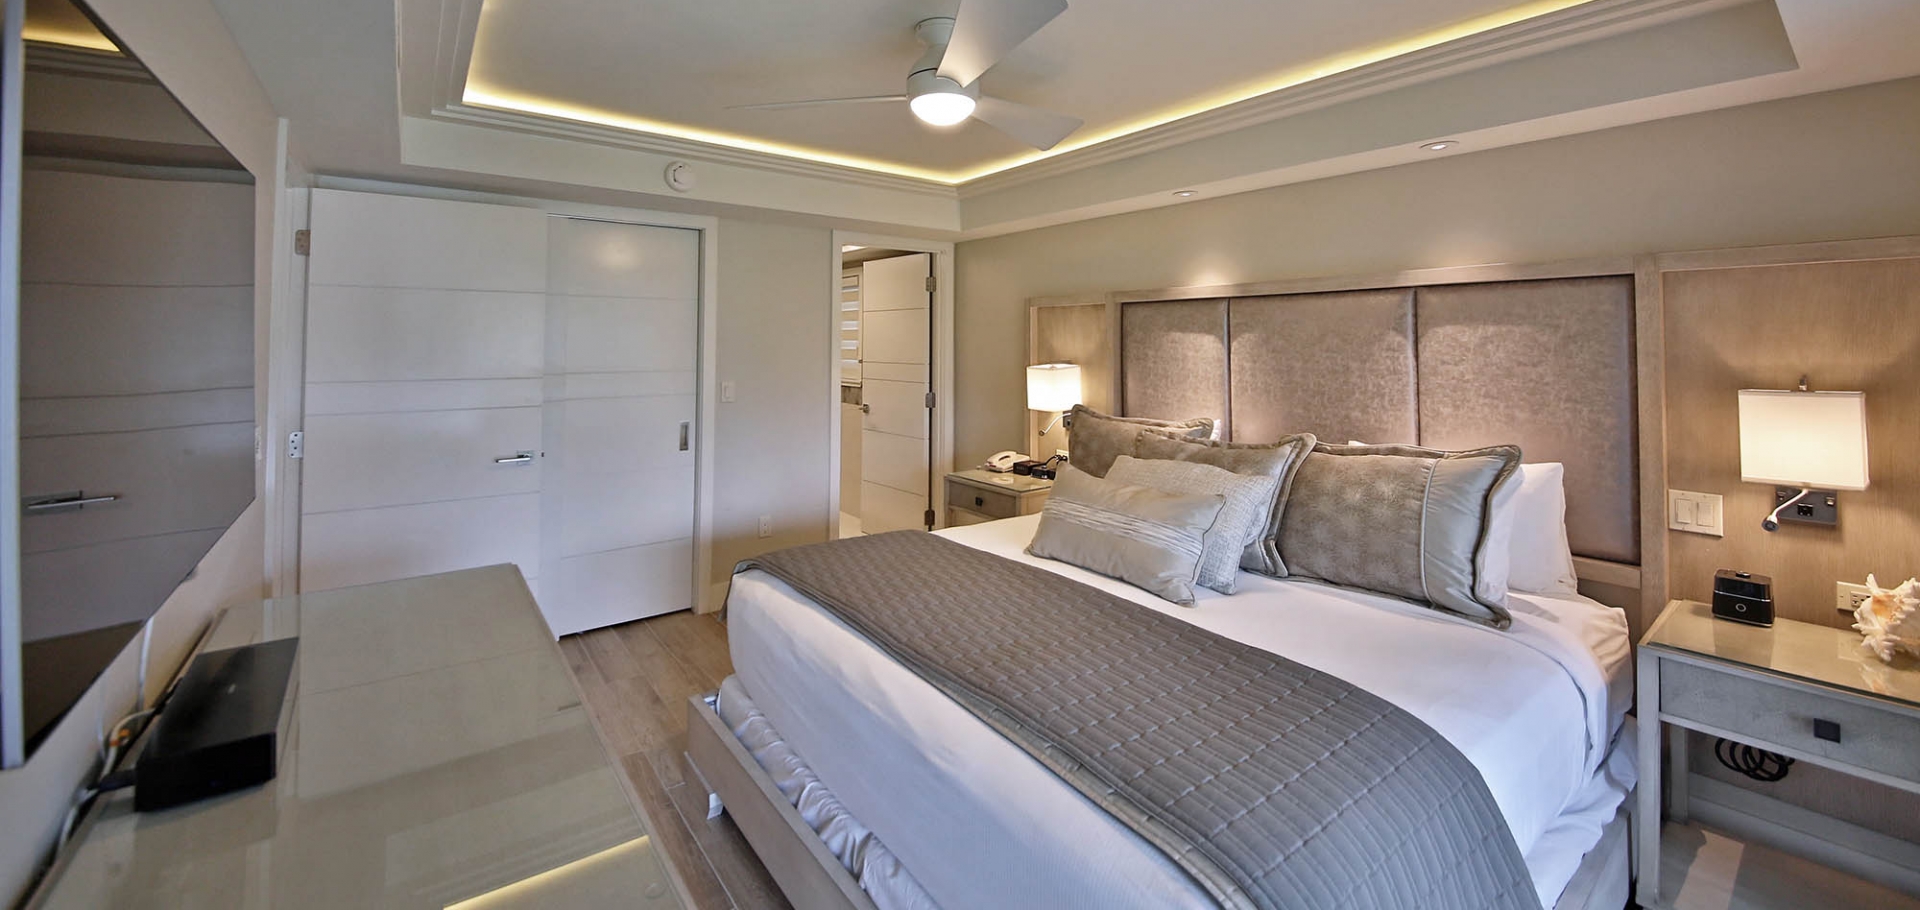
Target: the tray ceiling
pixel 676 69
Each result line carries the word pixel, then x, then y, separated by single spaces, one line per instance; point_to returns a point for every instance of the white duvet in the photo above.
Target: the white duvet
pixel 981 824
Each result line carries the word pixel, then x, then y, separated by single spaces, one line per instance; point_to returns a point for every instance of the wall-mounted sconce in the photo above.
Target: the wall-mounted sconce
pixel 1809 444
pixel 1053 387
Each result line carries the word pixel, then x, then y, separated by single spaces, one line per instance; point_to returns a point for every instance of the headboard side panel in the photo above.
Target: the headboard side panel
pixel 1547 365
pixel 1337 365
pixel 1173 360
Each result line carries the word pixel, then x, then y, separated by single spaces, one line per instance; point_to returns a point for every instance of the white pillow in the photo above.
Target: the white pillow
pixel 1541 560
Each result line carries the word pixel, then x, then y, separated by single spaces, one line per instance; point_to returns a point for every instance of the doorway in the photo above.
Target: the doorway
pixel 891 440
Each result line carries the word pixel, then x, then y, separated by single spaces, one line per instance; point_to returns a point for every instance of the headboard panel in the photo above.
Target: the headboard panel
pixel 1545 364
pixel 1173 359
pixel 1338 365
pixel 1548 365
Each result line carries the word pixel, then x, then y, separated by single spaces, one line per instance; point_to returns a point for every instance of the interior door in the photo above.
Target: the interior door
pixel 623 329
pixel 426 323
pixel 896 478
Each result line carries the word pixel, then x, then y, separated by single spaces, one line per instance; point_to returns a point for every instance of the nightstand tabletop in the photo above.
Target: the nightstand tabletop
pixel 1018 483
pixel 1823 655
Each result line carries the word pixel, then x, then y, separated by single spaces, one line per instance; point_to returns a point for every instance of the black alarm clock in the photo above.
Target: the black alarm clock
pixel 1743 597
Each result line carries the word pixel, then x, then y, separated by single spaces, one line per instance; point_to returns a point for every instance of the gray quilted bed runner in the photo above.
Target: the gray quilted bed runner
pixel 1275 786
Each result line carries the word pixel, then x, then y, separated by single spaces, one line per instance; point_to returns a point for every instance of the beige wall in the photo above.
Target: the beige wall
pixel 775 287
pixel 1825 167
pixel 185 43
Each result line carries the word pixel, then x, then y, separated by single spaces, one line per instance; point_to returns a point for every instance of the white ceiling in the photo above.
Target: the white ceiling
pixel 1112 63
pixel 373 88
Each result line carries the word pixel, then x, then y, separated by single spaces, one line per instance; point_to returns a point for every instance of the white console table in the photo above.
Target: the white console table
pixel 439 758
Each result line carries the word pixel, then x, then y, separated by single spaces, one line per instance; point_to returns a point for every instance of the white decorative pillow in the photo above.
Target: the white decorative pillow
pixel 1242 522
pixel 1541 561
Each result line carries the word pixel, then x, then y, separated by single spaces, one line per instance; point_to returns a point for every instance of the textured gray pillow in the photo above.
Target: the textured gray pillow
pixel 1279 460
pixel 1142 536
pixel 1094 439
pixel 1401 520
pixel 1242 520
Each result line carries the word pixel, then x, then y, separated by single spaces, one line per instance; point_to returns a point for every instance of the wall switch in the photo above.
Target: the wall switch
pixel 726 393
pixel 766 526
pixel 1847 596
pixel 1696 513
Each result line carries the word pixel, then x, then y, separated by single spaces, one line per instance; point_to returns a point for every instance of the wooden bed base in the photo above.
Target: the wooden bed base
pixel 813 879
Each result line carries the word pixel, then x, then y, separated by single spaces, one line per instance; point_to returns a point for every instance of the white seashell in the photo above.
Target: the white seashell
pixel 1890 620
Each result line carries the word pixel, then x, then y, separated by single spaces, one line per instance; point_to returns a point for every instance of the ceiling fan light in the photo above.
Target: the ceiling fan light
pixel 942 108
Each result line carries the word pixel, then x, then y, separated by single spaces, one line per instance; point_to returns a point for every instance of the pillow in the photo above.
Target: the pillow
pixel 1279 460
pixel 1540 559
pixel 1094 439
pixel 1405 521
pixel 1142 536
pixel 1242 520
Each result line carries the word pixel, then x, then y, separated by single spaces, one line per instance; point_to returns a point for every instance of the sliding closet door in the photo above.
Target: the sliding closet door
pixel 895 331
pixel 425 348
pixel 621 361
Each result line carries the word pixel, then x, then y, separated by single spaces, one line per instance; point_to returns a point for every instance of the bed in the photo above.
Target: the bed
pixel 895 752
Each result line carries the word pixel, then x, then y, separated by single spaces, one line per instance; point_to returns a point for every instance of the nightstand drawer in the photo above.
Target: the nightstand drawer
pixel 991 503
pixel 1870 738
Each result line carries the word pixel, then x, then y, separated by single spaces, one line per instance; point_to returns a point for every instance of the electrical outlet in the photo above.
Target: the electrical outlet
pixel 766 526
pixel 1847 596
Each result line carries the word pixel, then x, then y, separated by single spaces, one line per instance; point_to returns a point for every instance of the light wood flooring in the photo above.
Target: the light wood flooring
pixel 636 679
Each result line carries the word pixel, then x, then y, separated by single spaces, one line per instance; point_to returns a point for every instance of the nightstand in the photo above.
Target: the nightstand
pixel 1808 692
pixel 979 495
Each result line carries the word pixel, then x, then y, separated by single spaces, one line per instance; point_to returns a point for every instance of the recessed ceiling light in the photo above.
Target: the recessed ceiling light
pixel 1186 193
pixel 1440 146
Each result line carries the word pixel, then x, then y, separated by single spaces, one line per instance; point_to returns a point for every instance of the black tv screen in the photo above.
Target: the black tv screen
pixel 134 383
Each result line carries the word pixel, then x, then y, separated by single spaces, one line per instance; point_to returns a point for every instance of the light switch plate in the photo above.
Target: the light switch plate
pixel 1695 513
pixel 726 392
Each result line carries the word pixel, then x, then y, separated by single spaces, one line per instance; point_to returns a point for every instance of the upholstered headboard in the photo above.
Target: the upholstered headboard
pixel 1545 364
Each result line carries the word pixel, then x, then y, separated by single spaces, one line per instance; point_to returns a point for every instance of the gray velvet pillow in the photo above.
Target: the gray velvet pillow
pixel 1242 520
pixel 1142 536
pixel 1402 520
pixel 1279 460
pixel 1094 439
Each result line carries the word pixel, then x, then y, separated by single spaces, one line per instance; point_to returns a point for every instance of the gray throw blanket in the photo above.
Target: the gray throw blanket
pixel 1275 786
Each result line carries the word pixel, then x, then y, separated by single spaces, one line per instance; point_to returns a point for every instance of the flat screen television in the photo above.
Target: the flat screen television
pixel 127 339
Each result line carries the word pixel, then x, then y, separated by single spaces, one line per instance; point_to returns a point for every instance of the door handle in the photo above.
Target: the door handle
pixel 686 428
pixel 47 503
pixel 517 458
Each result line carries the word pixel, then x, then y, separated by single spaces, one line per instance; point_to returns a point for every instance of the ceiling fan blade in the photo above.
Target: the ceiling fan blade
pixel 783 105
pixel 985 30
pixel 1041 129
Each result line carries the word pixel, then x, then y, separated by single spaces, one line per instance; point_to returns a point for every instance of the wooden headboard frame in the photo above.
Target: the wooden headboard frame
pixel 1087 329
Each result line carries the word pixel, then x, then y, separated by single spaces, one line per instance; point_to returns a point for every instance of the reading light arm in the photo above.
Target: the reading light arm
pixel 1772 522
pixel 1062 416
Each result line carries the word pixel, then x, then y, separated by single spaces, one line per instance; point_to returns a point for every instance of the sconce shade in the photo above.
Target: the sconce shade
pixel 1053 386
pixel 1813 440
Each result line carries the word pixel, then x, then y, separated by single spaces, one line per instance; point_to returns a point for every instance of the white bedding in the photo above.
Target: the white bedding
pixel 981 824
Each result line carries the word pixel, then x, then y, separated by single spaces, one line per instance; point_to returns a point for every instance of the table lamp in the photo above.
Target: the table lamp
pixel 1808 444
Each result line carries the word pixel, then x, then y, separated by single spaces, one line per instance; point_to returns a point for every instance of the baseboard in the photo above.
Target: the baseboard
pixel 1857 851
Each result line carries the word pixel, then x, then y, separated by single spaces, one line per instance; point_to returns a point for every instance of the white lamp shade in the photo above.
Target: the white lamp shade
pixel 1053 386
pixel 1816 440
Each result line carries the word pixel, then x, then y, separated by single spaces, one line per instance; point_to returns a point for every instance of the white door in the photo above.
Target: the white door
pixel 895 346
pixel 622 335
pixel 426 324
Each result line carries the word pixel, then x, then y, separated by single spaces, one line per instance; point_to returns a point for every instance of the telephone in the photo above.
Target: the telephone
pixel 1004 462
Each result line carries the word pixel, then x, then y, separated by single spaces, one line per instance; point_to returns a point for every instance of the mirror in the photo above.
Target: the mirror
pixel 136 364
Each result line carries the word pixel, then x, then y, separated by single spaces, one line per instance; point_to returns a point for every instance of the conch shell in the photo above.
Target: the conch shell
pixel 1891 619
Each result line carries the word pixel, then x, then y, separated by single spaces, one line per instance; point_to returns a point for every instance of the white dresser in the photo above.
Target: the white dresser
pixel 439 757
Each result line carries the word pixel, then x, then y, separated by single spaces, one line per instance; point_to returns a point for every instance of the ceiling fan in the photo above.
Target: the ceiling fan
pixel 943 86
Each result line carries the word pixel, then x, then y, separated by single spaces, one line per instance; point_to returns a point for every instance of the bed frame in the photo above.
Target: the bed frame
pixel 813 878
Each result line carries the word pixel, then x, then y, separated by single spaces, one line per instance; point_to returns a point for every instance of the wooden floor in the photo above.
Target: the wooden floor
pixel 636 679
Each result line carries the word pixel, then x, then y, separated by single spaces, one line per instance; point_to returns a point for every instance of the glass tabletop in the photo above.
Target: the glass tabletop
pixel 1823 655
pixel 438 757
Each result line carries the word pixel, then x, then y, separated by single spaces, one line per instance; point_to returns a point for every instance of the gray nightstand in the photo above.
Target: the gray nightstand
pixel 1807 692
pixel 978 495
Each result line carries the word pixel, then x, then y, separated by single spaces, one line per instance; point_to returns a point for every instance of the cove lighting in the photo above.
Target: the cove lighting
pixel 480 94
pixel 942 108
